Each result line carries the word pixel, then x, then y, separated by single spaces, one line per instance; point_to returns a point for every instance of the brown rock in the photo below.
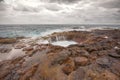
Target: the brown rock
pixel 28 74
pixel 114 55
pixel 31 52
pixel 7 40
pixel 103 62
pixel 115 67
pixel 48 62
pixel 77 51
pixel 84 53
pixel 118 51
pixel 28 49
pixel 106 75
pixel 82 61
pixel 20 46
pixel 60 57
pixel 79 74
pixel 5 48
pixel 68 66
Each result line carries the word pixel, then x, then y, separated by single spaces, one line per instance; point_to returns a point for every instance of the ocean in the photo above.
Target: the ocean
pixel 41 30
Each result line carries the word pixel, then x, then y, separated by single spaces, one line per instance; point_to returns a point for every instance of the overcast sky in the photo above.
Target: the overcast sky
pixel 59 11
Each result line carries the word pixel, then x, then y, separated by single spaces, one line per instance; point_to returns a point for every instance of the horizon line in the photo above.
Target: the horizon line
pixel 66 24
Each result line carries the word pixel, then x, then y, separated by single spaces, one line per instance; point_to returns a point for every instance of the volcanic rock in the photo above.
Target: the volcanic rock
pixel 68 66
pixel 82 61
pixel 28 49
pixel 20 46
pixel 7 40
pixel 114 55
pixel 79 74
pixel 95 58
pixel 5 48
pixel 103 62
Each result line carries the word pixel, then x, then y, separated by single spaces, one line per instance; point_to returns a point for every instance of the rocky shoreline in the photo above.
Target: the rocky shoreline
pixel 96 56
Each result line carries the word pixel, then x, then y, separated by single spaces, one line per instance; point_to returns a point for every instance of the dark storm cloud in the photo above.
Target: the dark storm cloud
pixel 2 6
pixel 63 11
pixel 111 4
pixel 1 0
pixel 65 1
pixel 118 11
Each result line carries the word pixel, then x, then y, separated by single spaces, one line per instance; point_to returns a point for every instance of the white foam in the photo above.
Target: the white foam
pixel 42 42
pixel 64 43
pixel 49 32
pixel 81 28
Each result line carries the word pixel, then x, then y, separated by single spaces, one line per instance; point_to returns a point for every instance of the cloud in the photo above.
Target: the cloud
pixel 32 6
pixel 111 4
pixel 53 7
pixel 2 8
pixel 1 0
pixel 65 1
pixel 60 11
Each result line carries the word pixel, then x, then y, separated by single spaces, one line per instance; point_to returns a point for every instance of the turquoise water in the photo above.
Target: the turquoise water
pixel 40 30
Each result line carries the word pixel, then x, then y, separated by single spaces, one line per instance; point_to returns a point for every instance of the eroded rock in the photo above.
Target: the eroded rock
pixel 81 61
pixel 95 58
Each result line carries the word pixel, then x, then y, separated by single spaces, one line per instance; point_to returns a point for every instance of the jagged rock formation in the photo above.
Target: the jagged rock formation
pixel 95 57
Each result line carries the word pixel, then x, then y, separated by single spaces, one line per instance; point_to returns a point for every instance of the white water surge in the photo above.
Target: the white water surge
pixel 59 40
pixel 64 43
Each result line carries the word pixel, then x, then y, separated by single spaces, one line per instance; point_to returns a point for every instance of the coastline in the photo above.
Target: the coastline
pixel 95 56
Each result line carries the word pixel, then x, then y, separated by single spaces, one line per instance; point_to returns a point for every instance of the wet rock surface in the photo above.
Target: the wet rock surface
pixel 5 48
pixel 96 57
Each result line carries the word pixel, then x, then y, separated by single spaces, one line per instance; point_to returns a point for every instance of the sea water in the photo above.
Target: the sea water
pixel 35 31
pixel 42 30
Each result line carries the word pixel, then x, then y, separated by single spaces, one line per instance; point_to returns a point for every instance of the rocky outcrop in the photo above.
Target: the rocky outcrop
pixel 5 48
pixel 7 40
pixel 20 46
pixel 78 36
pixel 81 61
pixel 96 57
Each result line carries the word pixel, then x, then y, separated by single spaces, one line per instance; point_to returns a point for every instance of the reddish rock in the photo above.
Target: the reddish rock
pixel 81 61
pixel 7 40
pixel 31 52
pixel 94 39
pixel 94 60
pixel 29 73
pixel 68 66
pixel 60 57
